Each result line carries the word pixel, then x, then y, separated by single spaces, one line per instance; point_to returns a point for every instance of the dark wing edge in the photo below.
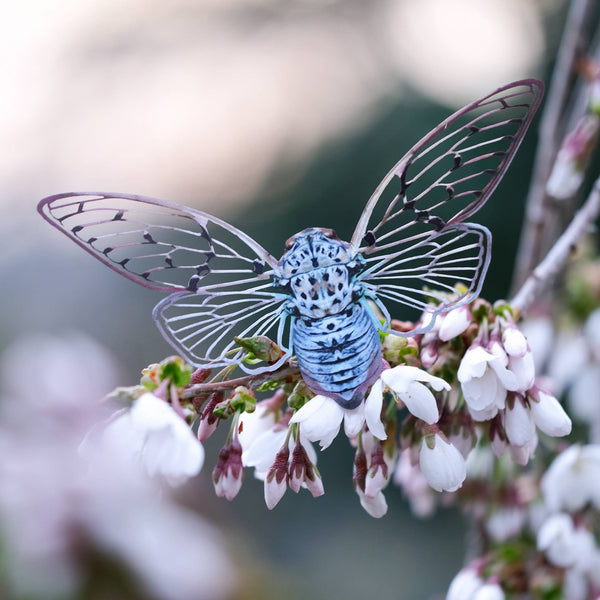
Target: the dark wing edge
pixel 58 209
pixel 536 89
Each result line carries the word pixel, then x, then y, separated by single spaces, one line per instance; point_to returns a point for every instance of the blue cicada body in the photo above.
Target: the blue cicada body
pixel 411 247
pixel 335 334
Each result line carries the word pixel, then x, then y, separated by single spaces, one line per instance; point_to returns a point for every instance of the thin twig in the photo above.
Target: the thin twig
pixel 550 134
pixel 556 259
pixel 250 381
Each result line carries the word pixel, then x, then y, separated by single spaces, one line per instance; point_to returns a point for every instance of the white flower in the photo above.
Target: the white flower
pixel 522 454
pixel 573 479
pixel 583 394
pixel 484 380
pixel 442 464
pixel 592 333
pixel 376 505
pixel 514 342
pixel 320 418
pixel 518 423
pixel 262 451
pixel 381 465
pixel 568 171
pixel 524 369
pixel 489 591
pixel 575 585
pixel 454 323
pixel 548 414
pixel 464 585
pixel 505 523
pixel 415 486
pixel 277 478
pixel 567 360
pixel 539 332
pixel 373 406
pixel 565 545
pixel 565 178
pixel 152 432
pixel 303 471
pixel 48 491
pixel 405 383
pixel 229 471
pixel 254 424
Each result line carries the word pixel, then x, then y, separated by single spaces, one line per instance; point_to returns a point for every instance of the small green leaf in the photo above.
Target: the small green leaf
pixel 300 396
pixel 260 348
pixel 268 385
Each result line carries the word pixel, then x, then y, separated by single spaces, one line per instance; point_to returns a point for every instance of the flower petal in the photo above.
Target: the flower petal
pixel 373 405
pixel 320 419
pixel 550 416
pixel 421 402
pixel 443 465
pixel 354 420
pixel 376 506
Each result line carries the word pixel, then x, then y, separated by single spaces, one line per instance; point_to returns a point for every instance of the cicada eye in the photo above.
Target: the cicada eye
pixel 291 241
pixel 329 233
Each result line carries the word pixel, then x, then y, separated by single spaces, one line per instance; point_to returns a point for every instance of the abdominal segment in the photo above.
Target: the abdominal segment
pixel 339 355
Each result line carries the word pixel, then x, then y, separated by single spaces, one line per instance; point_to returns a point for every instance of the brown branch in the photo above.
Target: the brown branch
pixel 536 214
pixel 559 254
pixel 249 381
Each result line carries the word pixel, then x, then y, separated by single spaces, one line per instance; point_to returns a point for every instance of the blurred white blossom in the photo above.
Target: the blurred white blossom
pixel 573 479
pixel 152 432
pixel 53 501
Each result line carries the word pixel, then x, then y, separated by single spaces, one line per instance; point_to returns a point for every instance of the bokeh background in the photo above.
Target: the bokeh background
pixel 275 116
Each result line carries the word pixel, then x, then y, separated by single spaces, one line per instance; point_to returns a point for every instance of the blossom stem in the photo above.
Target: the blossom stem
pixel 233 428
pixel 176 405
pixel 537 207
pixel 558 255
pixel 223 373
pixel 249 381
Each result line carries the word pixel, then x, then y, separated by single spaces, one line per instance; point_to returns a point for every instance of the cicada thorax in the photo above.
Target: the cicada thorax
pixel 335 338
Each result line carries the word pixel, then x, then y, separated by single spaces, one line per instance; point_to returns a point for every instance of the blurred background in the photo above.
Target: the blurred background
pixel 275 116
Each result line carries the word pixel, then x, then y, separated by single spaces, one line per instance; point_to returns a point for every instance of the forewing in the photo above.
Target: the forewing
pixel 450 173
pixel 160 245
pixel 201 326
pixel 442 271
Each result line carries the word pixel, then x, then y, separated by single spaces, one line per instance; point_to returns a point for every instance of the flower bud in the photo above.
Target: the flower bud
pixel 454 323
pixel 569 168
pixel 261 348
pixel 442 464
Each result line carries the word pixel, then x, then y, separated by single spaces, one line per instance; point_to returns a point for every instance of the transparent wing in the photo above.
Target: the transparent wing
pixel 201 325
pixel 160 245
pixel 443 271
pixel 411 232
pixel 451 172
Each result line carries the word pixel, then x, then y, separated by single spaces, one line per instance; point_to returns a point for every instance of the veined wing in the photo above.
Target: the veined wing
pixel 201 325
pixel 450 173
pixel 160 245
pixel 443 271
pixel 411 232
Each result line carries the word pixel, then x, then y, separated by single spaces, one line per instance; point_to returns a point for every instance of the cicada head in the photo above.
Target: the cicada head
pixel 313 248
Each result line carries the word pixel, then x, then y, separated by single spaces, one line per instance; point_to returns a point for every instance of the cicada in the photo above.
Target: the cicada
pixel 326 300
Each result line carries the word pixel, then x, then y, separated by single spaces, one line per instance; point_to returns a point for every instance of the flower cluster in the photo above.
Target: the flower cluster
pixel 467 383
pixel 497 379
pixel 571 491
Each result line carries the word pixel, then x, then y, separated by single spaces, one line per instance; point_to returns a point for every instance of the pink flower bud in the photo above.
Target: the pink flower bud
pixel 229 471
pixel 277 478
